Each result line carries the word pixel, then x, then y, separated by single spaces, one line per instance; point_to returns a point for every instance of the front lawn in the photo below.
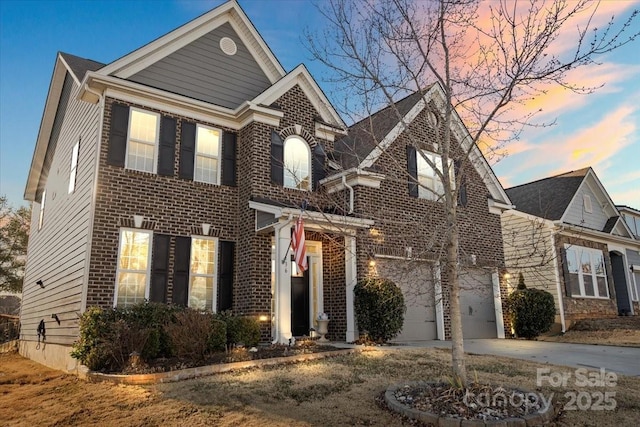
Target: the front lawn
pixel 331 392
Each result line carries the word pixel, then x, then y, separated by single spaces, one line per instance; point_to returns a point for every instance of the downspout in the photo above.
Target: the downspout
pixel 344 182
pixel 557 275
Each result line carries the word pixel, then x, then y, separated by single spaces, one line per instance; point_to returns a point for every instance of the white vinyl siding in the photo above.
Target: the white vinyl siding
pixel 587 272
pixel 74 167
pixel 142 141
pixel 297 163
pixel 429 183
pixel 207 161
pixel 202 273
pixel 58 254
pixel 134 267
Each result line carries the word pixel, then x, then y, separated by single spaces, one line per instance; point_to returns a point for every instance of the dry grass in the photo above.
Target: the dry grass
pixel 332 392
pixel 620 331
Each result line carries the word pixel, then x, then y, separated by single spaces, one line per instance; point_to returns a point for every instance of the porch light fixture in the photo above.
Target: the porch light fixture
pixel 39 283
pixel 372 263
pixel 263 318
pixel 507 275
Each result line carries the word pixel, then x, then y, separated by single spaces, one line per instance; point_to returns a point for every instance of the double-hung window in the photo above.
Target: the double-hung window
pixel 297 163
pixel 142 146
pixel 207 164
pixel 587 272
pixel 134 264
pixel 74 167
pixel 202 273
pixel 429 183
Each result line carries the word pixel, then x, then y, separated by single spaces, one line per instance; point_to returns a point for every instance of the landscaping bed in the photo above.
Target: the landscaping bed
pixel 620 331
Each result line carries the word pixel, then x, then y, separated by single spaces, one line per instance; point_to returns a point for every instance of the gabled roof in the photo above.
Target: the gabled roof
pixel 79 66
pixel 229 12
pixel 370 137
pixel 548 197
pixel 300 76
pixel 611 223
pixel 363 136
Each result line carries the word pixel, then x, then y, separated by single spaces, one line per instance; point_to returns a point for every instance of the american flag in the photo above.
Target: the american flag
pixel 297 243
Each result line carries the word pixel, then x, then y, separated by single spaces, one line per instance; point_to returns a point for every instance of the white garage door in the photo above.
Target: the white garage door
pixel 415 278
pixel 477 304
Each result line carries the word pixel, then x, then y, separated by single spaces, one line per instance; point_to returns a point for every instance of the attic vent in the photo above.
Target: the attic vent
pixel 587 203
pixel 228 46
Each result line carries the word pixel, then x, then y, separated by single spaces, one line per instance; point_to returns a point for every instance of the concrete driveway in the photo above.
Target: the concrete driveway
pixel 623 360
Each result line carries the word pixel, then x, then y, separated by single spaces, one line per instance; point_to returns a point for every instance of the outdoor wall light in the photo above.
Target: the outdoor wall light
pixel 263 318
pixel 507 275
pixel 39 283
pixel 55 316
pixel 372 263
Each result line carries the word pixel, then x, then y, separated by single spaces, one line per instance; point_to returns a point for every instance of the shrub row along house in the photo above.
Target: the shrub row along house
pixel 566 236
pixel 175 174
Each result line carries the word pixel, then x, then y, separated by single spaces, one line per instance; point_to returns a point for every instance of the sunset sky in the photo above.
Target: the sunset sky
pixel 599 130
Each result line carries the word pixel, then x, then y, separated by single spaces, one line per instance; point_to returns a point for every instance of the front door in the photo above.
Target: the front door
pixel 299 303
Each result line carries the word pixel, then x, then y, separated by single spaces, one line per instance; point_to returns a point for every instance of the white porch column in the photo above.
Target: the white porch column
pixel 282 295
pixel 351 276
pixel 497 303
pixel 439 303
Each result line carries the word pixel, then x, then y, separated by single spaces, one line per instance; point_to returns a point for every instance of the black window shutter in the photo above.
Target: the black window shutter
pixel 277 159
pixel 412 168
pixel 565 271
pixel 118 134
pixel 319 170
pixel 159 268
pixel 187 150
pixel 166 152
pixel 229 159
pixel 225 276
pixel 181 271
pixel 462 192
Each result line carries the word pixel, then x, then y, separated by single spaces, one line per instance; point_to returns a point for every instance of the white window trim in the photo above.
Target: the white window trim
pixel 217 156
pixel 41 215
pixel 426 192
pixel 309 160
pixel 594 276
pixel 214 299
pixel 73 172
pixel 635 285
pixel 156 143
pixel 118 271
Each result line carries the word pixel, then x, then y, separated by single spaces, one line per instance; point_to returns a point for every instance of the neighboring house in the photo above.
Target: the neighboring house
pixel 566 236
pixel 176 173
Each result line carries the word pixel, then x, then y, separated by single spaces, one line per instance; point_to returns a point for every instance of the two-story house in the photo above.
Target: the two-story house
pixel 566 236
pixel 175 174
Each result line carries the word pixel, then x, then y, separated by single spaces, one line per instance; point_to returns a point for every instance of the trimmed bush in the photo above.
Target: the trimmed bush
pixel 379 308
pixel 95 326
pixel 194 334
pixel 530 312
pixel 243 330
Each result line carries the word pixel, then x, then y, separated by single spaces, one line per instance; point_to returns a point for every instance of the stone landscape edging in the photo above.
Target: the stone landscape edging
pixel 536 419
pixel 200 371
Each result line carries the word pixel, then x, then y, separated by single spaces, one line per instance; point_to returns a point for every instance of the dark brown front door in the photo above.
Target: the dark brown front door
pixel 300 304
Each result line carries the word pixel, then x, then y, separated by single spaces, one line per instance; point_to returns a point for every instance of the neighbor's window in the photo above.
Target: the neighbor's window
pixel 134 263
pixel 202 273
pixel 587 272
pixel 41 216
pixel 297 163
pixel 142 146
pixel 74 167
pixel 207 155
pixel 429 183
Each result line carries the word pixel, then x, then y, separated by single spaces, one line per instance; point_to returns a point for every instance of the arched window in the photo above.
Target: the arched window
pixel 297 163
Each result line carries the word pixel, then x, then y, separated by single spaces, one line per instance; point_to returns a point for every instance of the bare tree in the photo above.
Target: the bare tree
pixel 488 58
